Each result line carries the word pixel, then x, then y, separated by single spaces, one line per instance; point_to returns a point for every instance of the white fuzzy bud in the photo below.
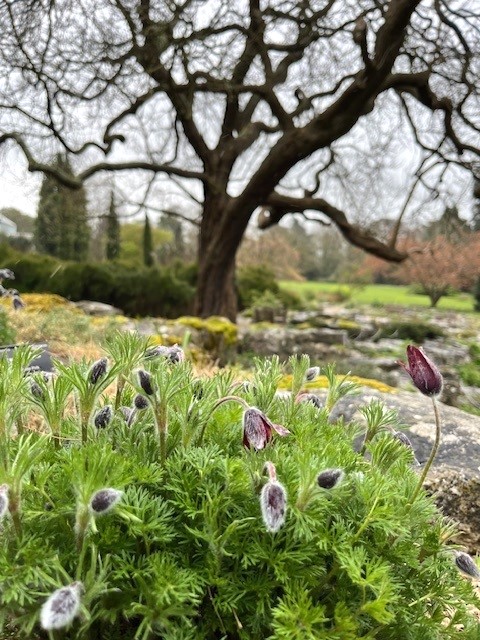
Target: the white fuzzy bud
pixel 61 607
pixel 104 500
pixel 273 502
pixel 3 500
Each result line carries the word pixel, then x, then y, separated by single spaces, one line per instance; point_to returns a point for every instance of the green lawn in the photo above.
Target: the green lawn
pixel 377 295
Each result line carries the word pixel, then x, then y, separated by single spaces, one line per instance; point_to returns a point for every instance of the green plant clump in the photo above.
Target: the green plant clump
pixel 156 503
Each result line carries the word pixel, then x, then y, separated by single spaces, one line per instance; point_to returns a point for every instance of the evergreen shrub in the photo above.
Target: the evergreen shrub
pixel 165 291
pixel 149 507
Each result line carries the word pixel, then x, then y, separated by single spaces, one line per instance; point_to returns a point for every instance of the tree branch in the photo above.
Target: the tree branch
pixel 280 205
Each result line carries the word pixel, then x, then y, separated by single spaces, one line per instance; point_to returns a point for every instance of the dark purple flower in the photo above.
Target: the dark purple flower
pixel 98 370
pixel 466 564
pixel 36 389
pixel 257 429
pixel 330 478
pixel 103 417
pixel 145 380
pixel 174 354
pixel 273 502
pixel 304 396
pixel 424 373
pixel 104 500
pixel 140 402
pixel 312 373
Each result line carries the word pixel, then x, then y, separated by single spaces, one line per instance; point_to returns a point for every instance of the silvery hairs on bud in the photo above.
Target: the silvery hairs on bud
pixel 330 478
pixel 36 389
pixel 145 380
pixel 104 500
pixel 98 370
pixel 61 607
pixel 312 373
pixel 3 500
pixel 273 503
pixel 140 402
pixel 103 417
pixel 467 565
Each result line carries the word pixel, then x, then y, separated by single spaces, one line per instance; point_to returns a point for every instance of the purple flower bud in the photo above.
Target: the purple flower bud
pixel 257 429
pixel 36 389
pixel 98 370
pixel 140 402
pixel 145 380
pixel 466 564
pixel 405 440
pixel 61 607
pixel 273 502
pixel 174 354
pixel 103 417
pixel 3 500
pixel 303 396
pixel 330 478
pixel 104 500
pixel 312 373
pixel 424 373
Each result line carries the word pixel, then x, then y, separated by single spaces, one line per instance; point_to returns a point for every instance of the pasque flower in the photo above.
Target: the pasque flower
pixel 98 370
pixel 257 429
pixel 61 607
pixel 273 501
pixel 104 500
pixel 424 373
pixel 466 564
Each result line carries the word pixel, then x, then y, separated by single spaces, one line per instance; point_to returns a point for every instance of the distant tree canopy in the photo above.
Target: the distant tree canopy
pixel 61 226
pixel 132 241
pixel 302 107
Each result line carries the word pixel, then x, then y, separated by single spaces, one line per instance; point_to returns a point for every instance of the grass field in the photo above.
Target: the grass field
pixel 376 294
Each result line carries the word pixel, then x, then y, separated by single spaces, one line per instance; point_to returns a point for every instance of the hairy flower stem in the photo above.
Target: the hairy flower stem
pixel 433 452
pixel 160 413
pixel 118 394
pixel 14 508
pixel 215 407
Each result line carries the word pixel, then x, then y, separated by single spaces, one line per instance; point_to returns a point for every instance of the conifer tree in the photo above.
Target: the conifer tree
pixel 147 243
pixel 112 249
pixel 62 228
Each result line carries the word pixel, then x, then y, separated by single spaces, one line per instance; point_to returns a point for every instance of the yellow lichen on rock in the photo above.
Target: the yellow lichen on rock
pixel 322 383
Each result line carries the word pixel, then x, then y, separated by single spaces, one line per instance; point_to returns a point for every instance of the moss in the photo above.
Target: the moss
pixel 40 302
pixel 322 383
pixel 215 325
pixel 415 331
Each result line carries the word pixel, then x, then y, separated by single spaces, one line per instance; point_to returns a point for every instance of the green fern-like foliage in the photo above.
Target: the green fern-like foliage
pixel 186 554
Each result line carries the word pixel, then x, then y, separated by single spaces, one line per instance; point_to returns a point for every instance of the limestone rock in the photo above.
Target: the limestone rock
pixel 93 308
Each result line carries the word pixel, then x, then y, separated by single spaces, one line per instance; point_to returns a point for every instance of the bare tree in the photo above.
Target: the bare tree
pixel 244 105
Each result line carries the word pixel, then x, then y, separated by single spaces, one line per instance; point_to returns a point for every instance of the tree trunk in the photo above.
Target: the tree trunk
pixel 217 248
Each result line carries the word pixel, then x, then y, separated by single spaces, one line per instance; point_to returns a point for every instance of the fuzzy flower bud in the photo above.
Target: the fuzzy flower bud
pixel 174 354
pixel 312 373
pixel 3 500
pixel 61 607
pixel 466 564
pixel 257 429
pixel 330 478
pixel 303 396
pixel 104 500
pixel 36 389
pixel 103 417
pixel 98 370
pixel 145 380
pixel 140 402
pixel 423 372
pixel 273 502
